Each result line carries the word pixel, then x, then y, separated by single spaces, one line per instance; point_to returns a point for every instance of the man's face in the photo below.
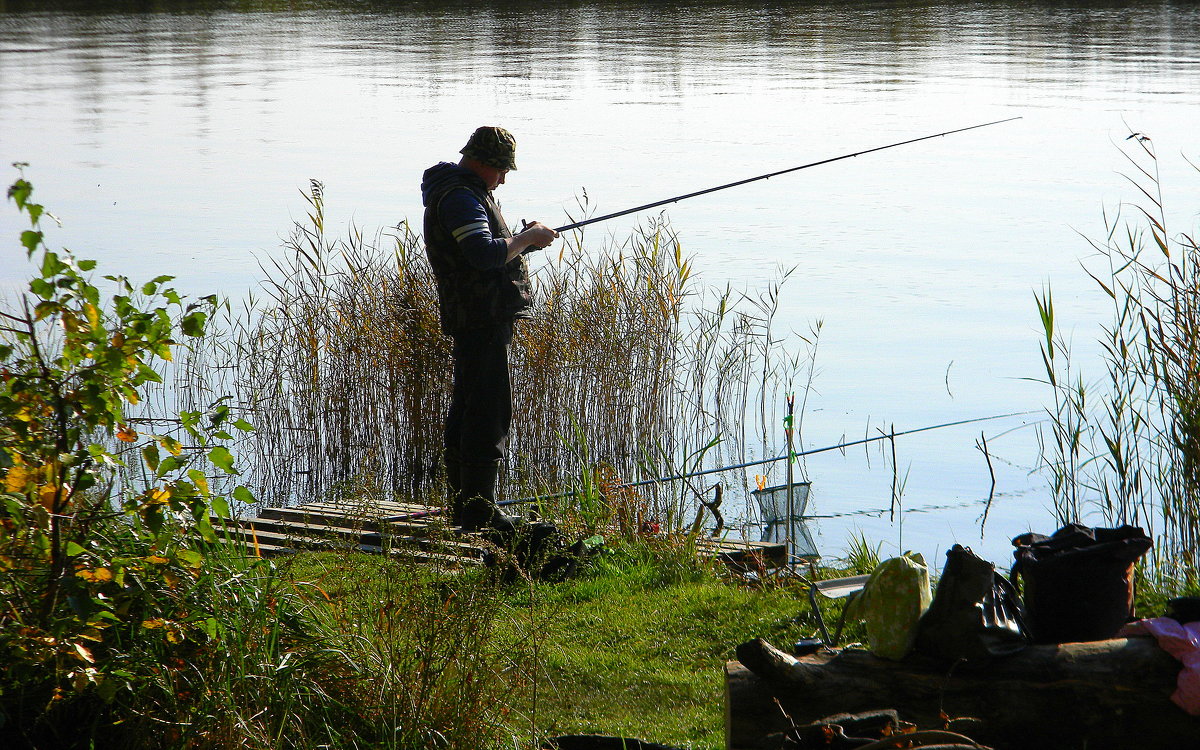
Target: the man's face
pixel 493 176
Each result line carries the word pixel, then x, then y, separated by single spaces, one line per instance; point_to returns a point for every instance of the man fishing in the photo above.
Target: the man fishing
pixel 483 288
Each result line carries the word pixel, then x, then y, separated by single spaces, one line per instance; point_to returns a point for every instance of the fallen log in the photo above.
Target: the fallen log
pixel 1104 695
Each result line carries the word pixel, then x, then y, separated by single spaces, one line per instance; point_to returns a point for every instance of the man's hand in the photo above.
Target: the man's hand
pixel 535 236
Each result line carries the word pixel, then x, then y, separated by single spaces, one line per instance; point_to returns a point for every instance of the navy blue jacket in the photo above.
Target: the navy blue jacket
pixel 464 240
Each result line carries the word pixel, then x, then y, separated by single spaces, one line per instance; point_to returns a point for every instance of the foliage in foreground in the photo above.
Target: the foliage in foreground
pixel 123 621
pixel 1128 447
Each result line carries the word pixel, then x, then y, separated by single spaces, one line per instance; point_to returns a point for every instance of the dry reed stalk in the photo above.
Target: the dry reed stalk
pixel 628 362
pixel 1129 446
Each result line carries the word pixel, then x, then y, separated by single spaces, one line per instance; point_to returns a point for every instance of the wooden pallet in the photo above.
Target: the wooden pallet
pixel 418 532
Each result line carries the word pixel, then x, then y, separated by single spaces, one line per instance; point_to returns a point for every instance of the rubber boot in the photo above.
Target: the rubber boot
pixel 478 488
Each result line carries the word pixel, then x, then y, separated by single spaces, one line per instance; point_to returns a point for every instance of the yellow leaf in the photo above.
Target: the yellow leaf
pixel 16 478
pixel 173 446
pixel 84 653
pixel 159 496
pixel 200 481
pixel 171 578
pixel 153 624
pixel 156 560
pixel 126 434
pixel 92 634
pixel 48 494
pixel 103 575
pixel 93 315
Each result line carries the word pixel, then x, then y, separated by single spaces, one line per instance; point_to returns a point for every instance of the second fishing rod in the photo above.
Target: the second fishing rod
pixel 767 176
pixel 793 454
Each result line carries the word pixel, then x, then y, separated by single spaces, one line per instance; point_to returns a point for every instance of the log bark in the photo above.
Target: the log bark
pixel 1105 695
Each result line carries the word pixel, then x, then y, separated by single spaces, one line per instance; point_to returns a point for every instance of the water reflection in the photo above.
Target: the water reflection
pixel 425 49
pixel 173 136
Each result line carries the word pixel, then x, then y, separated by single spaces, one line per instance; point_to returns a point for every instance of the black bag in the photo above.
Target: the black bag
pixel 974 616
pixel 1077 585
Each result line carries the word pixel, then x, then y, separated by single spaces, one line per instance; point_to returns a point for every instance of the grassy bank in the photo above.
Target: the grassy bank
pixel 635 648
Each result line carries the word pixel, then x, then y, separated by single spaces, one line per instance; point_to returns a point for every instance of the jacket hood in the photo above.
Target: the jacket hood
pixel 442 177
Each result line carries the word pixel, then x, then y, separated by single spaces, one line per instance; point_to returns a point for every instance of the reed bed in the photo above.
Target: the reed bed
pixel 629 369
pixel 1128 446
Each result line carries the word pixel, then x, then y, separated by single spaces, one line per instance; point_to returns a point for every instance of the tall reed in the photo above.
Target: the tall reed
pixel 628 363
pixel 1128 446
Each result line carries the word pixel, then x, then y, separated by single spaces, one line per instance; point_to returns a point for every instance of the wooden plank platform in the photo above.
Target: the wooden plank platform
pixel 419 532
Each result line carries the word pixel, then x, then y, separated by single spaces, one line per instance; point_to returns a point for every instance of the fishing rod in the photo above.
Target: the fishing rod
pixel 703 472
pixel 767 176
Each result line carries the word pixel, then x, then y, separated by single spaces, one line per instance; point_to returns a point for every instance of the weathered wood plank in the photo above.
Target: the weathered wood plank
pixel 310 514
pixel 303 534
pixel 362 526
pixel 268 543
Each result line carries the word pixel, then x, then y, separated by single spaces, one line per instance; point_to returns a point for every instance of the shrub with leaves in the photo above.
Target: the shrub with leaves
pixel 87 563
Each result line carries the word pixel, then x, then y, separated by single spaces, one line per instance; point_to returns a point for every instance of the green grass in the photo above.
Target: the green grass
pixel 647 662
pixel 634 649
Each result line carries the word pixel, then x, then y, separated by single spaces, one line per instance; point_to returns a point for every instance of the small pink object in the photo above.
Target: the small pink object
pixel 1182 642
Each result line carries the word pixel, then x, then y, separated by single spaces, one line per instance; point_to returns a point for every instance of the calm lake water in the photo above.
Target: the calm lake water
pixel 177 141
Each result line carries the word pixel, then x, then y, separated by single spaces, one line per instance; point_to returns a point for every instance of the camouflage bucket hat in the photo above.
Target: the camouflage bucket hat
pixel 493 146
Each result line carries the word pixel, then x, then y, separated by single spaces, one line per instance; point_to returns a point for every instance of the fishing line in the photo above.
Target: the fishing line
pixel 769 175
pixel 732 467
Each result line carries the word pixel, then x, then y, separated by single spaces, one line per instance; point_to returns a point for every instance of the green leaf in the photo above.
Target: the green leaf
pixel 222 459
pixel 31 239
pixel 243 495
pixel 190 558
pixel 107 689
pixel 154 519
pixel 169 464
pixel 210 627
pixel 42 288
pixel 243 425
pixel 51 265
pixel 74 550
pixel 220 506
pixel 193 323
pixel 20 191
pixel 150 456
pixel 204 526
